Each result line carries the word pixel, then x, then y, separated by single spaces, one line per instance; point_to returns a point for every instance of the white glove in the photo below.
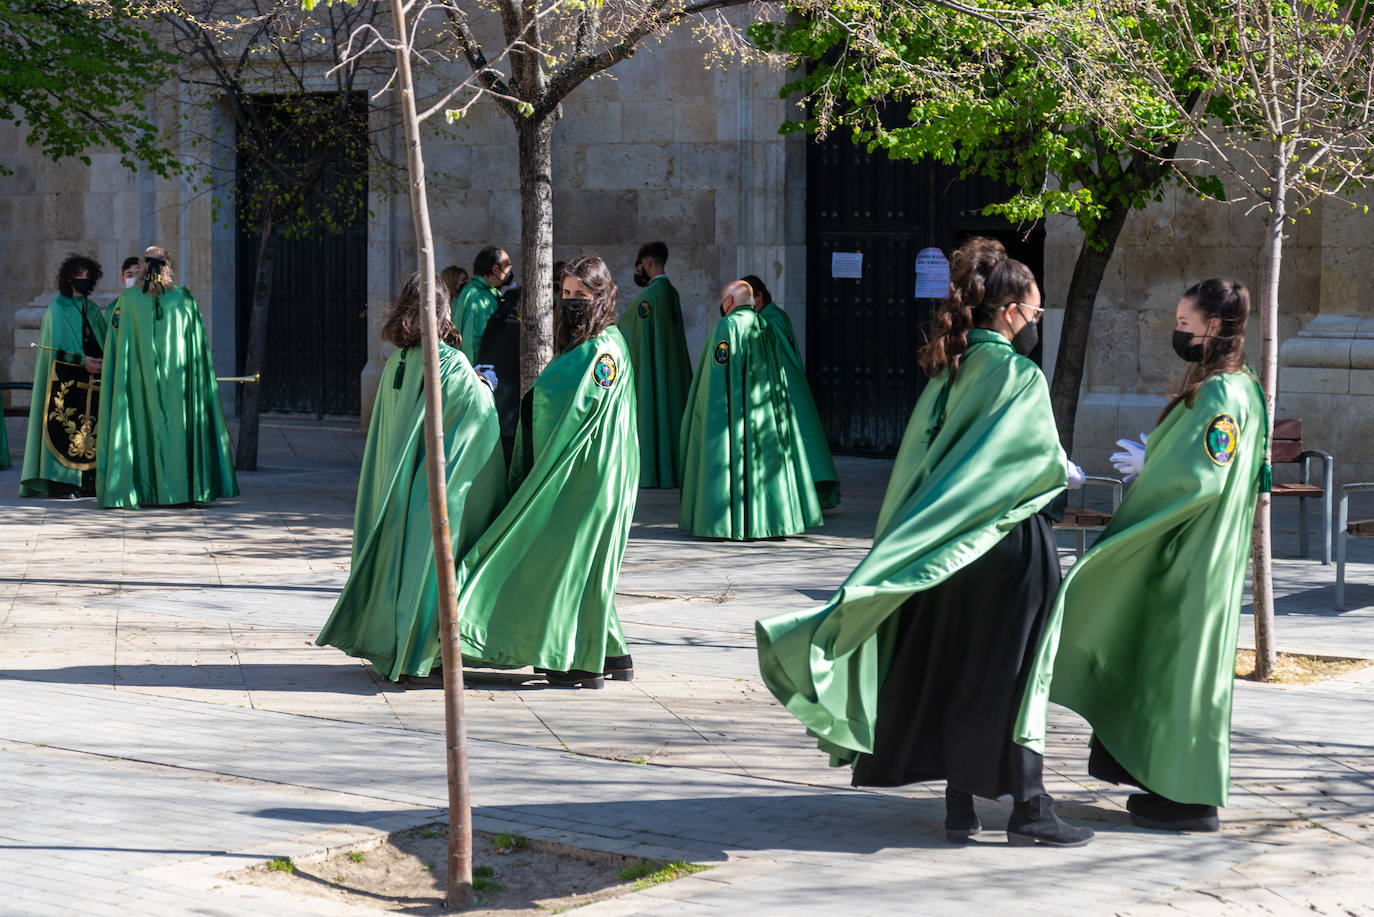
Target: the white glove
pixel 1075 474
pixel 1131 458
pixel 487 373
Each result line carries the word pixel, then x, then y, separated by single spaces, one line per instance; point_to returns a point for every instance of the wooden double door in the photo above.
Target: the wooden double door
pixel 863 335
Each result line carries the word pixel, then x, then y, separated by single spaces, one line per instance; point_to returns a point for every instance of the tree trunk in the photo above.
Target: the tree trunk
pixel 459 895
pixel 1093 257
pixel 1261 548
pixel 246 450
pixel 536 246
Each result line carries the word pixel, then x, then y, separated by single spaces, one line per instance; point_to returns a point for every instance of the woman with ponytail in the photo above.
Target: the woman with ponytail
pixel 916 668
pixel 1148 617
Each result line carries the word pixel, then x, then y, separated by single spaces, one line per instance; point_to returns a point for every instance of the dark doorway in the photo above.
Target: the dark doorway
pixel 317 323
pixel 863 335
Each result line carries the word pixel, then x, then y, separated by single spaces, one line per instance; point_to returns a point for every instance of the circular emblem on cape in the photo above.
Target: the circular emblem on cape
pixel 1221 439
pixel 722 352
pixel 604 370
pixel 644 309
pixel 114 319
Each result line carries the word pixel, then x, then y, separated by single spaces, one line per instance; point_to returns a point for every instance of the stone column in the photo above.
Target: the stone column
pixel 27 323
pixel 1326 369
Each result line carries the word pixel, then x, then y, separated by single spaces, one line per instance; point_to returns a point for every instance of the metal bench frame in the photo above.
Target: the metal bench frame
pixel 1304 457
pixel 1342 535
pixel 1081 531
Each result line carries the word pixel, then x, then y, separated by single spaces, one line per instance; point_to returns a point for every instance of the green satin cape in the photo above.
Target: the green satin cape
pixel 538 588
pixel 1147 619
pixel 744 464
pixel 61 329
pixel 163 439
pixel 387 612
pixel 476 302
pixel 780 322
pixel 657 342
pixel 793 383
pixel 993 462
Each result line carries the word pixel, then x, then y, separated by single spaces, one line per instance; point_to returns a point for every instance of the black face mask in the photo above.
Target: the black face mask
pixel 641 278
pixel 1024 341
pixel 83 286
pixel 1185 348
pixel 575 307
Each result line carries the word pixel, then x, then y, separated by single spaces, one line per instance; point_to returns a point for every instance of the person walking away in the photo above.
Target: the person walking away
pixel 387 612
pixel 915 669
pixel 745 472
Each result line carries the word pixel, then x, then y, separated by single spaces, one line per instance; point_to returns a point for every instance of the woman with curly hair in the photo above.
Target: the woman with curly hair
pixel 59 457
pixel 387 612
pixel 915 669
pixel 538 589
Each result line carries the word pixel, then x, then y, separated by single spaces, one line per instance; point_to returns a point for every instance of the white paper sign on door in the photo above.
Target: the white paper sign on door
pixel 847 265
pixel 932 274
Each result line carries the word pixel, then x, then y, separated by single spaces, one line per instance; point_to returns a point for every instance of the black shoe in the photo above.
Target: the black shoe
pixel 576 678
pixel 1034 822
pixel 961 822
pixel 1150 810
pixel 619 668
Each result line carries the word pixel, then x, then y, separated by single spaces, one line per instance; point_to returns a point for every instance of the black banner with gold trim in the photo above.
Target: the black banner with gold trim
pixel 69 423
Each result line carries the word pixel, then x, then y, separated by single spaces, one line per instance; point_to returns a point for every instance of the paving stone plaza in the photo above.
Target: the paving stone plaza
pixel 165 719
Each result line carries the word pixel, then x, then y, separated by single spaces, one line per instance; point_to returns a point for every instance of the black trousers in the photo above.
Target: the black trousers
pixel 948 704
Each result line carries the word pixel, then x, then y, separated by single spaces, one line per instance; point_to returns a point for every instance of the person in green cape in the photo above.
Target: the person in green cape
pixel 1148 617
pixel 60 457
pixel 653 329
pixel 772 314
pixel 163 440
pixel 777 328
pixel 479 298
pixel 914 669
pixel 455 278
pixel 745 469
pixel 538 588
pixel 387 611
pixel 128 276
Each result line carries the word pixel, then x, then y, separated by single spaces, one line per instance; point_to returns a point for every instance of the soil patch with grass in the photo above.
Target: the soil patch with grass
pixel 511 875
pixel 1297 669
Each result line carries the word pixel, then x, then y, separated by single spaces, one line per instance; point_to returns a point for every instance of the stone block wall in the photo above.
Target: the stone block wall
pixel 1131 367
pixel 661 148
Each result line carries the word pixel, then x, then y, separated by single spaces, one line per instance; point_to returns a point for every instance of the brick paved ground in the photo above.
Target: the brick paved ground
pixel 164 718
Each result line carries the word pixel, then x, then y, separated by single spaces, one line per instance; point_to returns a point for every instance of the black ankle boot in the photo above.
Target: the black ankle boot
pixel 961 822
pixel 1034 822
pixel 619 668
pixel 1150 810
pixel 575 678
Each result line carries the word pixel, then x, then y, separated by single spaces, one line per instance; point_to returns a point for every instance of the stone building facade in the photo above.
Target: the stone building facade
pixel 666 148
pixel 663 148
pixel 1326 330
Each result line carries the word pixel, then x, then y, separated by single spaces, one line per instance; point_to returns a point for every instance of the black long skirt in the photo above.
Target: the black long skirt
pixel 963 649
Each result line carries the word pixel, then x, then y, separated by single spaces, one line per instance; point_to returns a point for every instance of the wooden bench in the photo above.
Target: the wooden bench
pixel 1286 448
pixel 1080 520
